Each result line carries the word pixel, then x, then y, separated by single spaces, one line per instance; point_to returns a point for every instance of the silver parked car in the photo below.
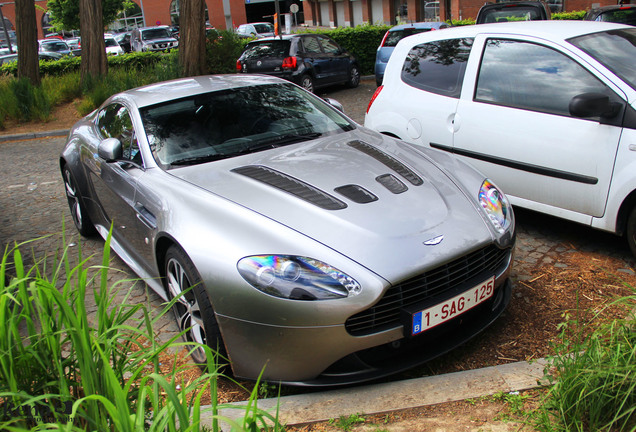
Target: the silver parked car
pixel 314 248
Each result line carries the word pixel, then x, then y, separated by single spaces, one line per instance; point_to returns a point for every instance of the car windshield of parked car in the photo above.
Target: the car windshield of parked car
pixel 615 49
pixel 234 122
pixel 273 48
pixel 155 34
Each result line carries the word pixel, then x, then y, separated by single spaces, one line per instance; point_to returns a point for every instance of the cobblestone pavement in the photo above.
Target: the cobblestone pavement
pixel 33 207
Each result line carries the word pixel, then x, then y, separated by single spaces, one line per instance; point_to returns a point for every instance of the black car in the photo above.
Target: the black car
pixel 513 11
pixel 309 60
pixel 624 14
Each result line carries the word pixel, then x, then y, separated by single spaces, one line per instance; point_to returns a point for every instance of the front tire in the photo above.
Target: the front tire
pixel 631 231
pixel 193 311
pixel 80 216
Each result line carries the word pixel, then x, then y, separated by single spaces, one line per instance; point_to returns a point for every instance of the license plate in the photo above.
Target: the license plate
pixel 449 309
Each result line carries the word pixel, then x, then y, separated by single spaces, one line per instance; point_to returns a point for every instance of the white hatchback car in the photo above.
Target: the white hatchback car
pixel 545 109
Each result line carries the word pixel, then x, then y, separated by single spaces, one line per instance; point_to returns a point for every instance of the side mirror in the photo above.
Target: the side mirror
pixel 334 103
pixel 110 150
pixel 593 105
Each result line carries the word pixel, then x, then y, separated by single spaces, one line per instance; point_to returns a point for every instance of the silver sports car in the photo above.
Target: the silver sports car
pixel 316 249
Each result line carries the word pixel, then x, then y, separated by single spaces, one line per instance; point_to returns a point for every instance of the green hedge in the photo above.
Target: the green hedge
pixel 574 15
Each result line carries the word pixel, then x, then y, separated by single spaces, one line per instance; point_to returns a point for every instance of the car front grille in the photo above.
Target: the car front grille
pixel 386 313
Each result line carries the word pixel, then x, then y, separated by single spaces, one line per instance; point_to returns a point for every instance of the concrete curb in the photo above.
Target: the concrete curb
pixel 396 396
pixel 33 135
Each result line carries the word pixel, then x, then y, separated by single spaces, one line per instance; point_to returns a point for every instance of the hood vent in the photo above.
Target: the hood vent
pixel 292 186
pixel 392 183
pixel 389 161
pixel 356 193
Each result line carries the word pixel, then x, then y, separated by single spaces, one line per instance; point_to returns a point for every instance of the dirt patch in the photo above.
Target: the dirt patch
pixel 62 117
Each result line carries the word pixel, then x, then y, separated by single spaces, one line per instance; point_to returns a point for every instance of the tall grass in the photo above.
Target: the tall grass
pixel 594 378
pixel 59 370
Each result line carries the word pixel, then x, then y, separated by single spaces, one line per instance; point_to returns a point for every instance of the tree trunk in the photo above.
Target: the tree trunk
pixel 94 64
pixel 27 39
pixel 192 37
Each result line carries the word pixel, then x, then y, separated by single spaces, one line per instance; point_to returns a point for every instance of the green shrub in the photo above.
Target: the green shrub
pixel 32 102
pixel 63 88
pixel 223 48
pixel 59 370
pixel 574 15
pixel 458 23
pixel 594 379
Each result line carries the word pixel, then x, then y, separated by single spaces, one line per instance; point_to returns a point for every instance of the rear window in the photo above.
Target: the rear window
pixel 438 67
pixel 511 13
pixel 397 35
pixel 273 48
pixel 264 28
pixel 623 16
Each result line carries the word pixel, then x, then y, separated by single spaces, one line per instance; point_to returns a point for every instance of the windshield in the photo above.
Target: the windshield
pixel 155 34
pixel 111 42
pixel 230 123
pixel 615 49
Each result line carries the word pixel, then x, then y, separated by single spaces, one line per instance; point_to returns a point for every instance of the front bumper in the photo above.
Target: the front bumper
pixel 331 355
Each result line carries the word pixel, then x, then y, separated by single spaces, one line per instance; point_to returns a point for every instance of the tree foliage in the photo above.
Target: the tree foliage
pixel 65 14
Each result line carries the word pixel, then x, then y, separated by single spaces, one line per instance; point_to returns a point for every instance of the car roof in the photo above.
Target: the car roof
pixel 175 89
pixel 554 30
pixel 427 24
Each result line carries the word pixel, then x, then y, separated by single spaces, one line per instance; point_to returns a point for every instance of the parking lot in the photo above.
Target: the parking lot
pixel 34 208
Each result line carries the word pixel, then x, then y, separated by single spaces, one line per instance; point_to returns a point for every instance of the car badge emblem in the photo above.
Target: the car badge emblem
pixel 258 63
pixel 434 241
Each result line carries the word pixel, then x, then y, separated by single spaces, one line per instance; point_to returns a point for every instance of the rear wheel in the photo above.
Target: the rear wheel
pixel 79 214
pixel 307 82
pixel 193 311
pixel 631 231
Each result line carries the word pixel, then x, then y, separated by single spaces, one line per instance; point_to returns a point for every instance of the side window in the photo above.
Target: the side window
pixel 114 122
pixel 438 67
pixel 533 77
pixel 311 45
pixel 329 46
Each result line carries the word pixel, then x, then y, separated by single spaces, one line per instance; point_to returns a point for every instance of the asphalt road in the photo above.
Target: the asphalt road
pixel 33 209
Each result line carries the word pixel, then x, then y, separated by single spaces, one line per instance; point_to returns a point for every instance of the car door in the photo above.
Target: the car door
pixel 514 124
pixel 313 55
pixel 115 184
pixel 338 60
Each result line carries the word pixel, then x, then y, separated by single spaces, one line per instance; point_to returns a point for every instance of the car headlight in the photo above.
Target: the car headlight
pixel 496 206
pixel 296 278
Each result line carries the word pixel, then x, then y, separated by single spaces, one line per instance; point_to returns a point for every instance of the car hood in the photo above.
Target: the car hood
pixel 356 196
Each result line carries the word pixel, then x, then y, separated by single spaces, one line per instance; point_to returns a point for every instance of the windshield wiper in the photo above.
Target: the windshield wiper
pixel 199 159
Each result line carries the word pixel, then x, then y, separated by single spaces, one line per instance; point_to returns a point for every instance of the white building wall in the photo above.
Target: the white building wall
pixel 376 12
pixel 357 13
pixel 340 15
